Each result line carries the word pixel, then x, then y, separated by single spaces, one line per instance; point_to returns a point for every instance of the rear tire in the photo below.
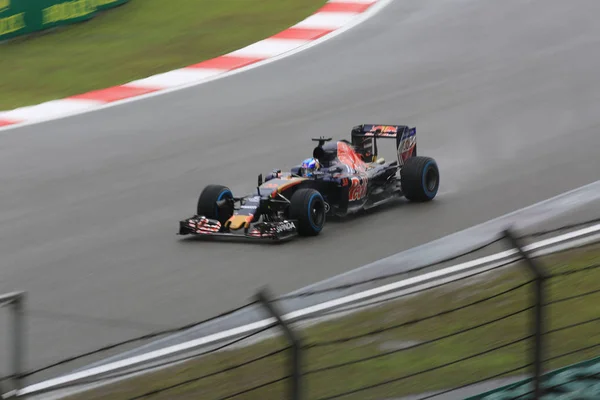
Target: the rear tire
pixel 207 203
pixel 308 208
pixel 420 179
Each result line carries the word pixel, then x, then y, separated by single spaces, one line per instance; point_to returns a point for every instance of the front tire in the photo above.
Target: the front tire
pixel 420 179
pixel 308 208
pixel 207 203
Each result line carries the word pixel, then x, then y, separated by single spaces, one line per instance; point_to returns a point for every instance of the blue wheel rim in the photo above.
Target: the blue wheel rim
pixel 310 211
pixel 430 179
pixel 221 196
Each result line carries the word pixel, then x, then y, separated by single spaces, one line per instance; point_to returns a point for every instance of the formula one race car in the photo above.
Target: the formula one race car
pixel 341 178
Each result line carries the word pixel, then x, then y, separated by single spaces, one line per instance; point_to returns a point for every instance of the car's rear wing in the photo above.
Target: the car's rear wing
pixel 364 138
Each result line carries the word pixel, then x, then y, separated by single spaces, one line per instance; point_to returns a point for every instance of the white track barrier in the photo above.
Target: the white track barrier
pixel 555 244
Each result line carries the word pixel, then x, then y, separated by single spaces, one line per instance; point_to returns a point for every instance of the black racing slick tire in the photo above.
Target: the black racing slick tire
pixel 420 179
pixel 210 203
pixel 308 208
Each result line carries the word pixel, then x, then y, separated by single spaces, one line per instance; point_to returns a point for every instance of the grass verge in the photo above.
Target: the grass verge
pixel 398 363
pixel 138 39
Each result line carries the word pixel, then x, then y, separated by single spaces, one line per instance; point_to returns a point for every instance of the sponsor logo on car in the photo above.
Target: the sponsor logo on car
pixel 285 226
pixel 384 130
pixel 406 148
pixel 358 188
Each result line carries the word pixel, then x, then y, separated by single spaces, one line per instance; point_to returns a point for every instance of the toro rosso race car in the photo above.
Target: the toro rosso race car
pixel 341 178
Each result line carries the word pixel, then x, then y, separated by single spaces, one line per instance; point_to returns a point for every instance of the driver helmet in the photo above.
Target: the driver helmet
pixel 310 166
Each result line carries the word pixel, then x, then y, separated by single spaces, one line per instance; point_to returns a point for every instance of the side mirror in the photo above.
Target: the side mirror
pixel 260 179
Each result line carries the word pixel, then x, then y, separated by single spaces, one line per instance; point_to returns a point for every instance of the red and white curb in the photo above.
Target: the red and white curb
pixel 334 17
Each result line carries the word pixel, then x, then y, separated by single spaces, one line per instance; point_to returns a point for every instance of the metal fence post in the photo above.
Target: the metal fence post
pixel 16 302
pixel 18 339
pixel 538 322
pixel 264 297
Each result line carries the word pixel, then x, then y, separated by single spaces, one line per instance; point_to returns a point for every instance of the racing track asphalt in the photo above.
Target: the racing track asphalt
pixel 504 95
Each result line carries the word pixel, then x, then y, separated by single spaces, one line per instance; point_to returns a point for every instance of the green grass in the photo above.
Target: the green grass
pixel 138 39
pixel 392 366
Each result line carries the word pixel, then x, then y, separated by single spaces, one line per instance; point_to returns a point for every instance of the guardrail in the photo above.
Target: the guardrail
pixel 18 17
pixel 145 362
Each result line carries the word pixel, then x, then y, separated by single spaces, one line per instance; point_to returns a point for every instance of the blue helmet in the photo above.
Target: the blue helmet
pixel 310 166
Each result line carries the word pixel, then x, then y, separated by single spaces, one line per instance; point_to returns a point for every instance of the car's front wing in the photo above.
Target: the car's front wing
pixel 207 228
